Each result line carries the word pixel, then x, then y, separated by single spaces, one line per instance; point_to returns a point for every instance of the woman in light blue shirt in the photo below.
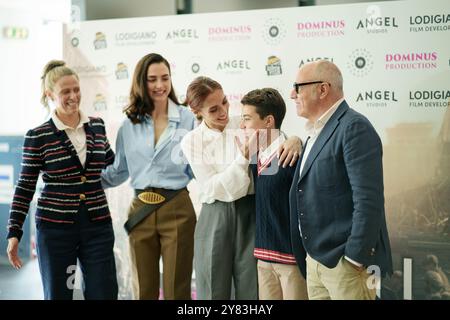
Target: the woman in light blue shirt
pixel 161 216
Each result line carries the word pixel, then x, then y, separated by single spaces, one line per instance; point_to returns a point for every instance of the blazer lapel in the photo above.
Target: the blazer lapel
pixel 323 137
pixel 64 139
pixel 66 143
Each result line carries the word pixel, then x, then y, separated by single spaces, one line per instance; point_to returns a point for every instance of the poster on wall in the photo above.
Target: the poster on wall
pixel 6 183
pixel 395 61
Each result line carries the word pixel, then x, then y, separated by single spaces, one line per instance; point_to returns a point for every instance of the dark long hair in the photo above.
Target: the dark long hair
pixel 140 101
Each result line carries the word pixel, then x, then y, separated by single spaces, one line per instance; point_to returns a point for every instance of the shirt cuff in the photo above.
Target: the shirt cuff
pixel 242 161
pixel 353 261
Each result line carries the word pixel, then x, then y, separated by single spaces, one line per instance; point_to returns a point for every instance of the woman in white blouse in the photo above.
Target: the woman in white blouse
pixel 225 232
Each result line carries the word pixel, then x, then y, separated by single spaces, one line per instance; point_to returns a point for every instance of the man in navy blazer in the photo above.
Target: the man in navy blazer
pixel 337 195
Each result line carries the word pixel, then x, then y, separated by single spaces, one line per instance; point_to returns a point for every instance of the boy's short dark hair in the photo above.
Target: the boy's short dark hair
pixel 267 101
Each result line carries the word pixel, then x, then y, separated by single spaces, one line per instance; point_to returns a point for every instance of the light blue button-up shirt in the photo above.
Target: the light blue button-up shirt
pixel 137 157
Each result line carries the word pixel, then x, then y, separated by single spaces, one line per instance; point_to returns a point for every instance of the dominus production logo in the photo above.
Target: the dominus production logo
pixel 320 28
pixel 360 62
pixel 229 33
pixel 273 31
pixel 411 60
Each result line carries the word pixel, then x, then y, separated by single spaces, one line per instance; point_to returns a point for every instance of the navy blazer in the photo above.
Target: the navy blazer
pixel 339 198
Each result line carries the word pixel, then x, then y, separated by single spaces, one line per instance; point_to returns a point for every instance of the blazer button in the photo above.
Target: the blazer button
pixel 300 190
pixel 372 251
pixel 305 237
pixel 82 197
pixel 301 213
pixel 83 179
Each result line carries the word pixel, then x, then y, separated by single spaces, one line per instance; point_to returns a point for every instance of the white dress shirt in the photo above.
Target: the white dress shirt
pixel 219 167
pixel 313 129
pixel 265 157
pixel 76 135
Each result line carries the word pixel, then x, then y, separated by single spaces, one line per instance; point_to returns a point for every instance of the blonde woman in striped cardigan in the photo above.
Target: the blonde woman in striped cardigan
pixel 73 221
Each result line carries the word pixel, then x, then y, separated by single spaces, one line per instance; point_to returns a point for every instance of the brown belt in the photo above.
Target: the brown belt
pixel 152 201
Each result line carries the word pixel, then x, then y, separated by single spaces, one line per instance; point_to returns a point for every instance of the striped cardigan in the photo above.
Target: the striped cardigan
pixel 67 184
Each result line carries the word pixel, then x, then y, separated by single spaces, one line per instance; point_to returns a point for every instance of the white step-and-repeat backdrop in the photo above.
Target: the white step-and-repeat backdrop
pixel 395 59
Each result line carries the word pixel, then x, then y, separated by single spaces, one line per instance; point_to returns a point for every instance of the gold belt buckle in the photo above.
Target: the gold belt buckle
pixel 151 197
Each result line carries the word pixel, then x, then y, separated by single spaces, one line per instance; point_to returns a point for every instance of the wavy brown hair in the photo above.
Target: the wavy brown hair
pixel 140 102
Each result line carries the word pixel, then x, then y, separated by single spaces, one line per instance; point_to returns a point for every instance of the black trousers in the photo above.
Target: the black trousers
pixel 59 246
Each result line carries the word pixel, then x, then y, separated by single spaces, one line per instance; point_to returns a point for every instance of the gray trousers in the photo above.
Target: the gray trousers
pixel 224 240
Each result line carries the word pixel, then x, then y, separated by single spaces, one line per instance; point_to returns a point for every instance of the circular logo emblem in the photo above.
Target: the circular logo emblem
pixel 273 31
pixel 360 62
pixel 195 67
pixel 75 42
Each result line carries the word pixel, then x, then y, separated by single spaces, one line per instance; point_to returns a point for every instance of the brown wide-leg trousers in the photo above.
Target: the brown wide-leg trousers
pixel 167 232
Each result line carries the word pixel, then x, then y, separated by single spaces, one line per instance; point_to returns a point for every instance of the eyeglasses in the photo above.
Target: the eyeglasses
pixel 297 85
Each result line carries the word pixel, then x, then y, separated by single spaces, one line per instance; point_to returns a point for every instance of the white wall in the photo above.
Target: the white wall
pixel 21 60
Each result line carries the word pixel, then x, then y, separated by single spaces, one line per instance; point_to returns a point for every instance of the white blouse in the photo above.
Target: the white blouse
pixel 76 135
pixel 220 169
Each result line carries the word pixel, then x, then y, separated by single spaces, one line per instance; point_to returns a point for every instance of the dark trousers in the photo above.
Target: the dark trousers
pixel 59 246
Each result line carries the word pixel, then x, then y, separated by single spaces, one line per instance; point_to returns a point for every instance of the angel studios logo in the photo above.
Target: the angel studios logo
pixel 312 59
pixel 233 66
pixel 377 98
pixel 182 35
pixel 377 24
pixel 360 62
pixel 273 31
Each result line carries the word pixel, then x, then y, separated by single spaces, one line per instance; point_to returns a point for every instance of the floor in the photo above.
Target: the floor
pixel 23 284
